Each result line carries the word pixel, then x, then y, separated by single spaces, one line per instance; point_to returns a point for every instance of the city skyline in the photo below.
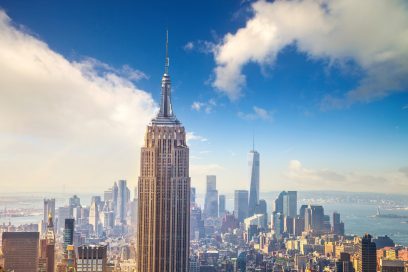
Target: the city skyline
pixel 88 95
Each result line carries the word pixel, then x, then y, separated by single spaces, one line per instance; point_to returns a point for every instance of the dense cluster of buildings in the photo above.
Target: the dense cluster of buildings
pixel 286 239
pixel 75 237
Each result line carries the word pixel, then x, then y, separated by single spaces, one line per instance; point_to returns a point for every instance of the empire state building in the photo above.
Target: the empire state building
pixel 164 191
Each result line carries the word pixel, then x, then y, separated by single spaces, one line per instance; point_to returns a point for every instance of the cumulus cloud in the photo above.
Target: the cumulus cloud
pixel 371 33
pixel 258 113
pixel 191 136
pixel 189 46
pixel 78 124
pixel 207 106
pixel 201 46
pixel 326 179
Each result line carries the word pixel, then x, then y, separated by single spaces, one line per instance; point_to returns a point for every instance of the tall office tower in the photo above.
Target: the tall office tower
pixel 115 190
pixel 288 224
pixel 367 255
pixel 63 213
pixel 241 204
pixel 298 225
pixel 314 219
pixel 344 264
pixel 108 195
pixel 326 224
pixel 164 191
pixel 261 208
pixel 338 226
pixel 50 245
pixel 133 212
pixel 68 233
pixel 122 201
pixel 279 202
pixel 221 205
pixel 20 251
pixel 277 222
pixel 197 230
pixel 94 217
pixel 286 203
pixel 290 205
pixel 253 163
pixel 74 201
pixel 49 208
pixel 302 211
pixel 211 182
pixel 211 197
pixel 193 195
pixel 92 258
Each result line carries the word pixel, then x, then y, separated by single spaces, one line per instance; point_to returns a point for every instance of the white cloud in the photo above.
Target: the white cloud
pixel 326 179
pixel 78 124
pixel 258 113
pixel 188 46
pixel 133 74
pixel 339 31
pixel 191 136
pixel 207 106
pixel 197 105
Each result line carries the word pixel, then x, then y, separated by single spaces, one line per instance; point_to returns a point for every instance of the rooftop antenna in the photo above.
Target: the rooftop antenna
pixel 253 141
pixel 167 63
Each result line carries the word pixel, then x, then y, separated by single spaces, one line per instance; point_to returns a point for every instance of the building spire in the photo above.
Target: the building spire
pixel 167 61
pixel 166 115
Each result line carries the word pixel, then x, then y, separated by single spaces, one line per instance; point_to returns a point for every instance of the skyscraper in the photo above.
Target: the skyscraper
pixel 68 233
pixel 74 201
pixel 115 197
pixel 253 163
pixel 241 204
pixel 49 208
pixel 290 204
pixel 314 219
pixel 286 203
pixel 193 196
pixel 50 245
pixel 211 197
pixel 164 191
pixel 367 255
pixel 338 226
pixel 122 201
pixel 62 213
pixel 94 217
pixel 20 251
pixel 262 208
pixel 221 205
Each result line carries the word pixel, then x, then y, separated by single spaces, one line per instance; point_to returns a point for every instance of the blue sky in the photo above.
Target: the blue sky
pixel 358 143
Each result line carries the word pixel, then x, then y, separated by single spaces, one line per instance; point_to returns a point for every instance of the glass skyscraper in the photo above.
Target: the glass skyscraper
pixel 253 163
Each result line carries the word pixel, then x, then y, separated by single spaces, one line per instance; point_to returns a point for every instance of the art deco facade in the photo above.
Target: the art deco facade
pixel 164 192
